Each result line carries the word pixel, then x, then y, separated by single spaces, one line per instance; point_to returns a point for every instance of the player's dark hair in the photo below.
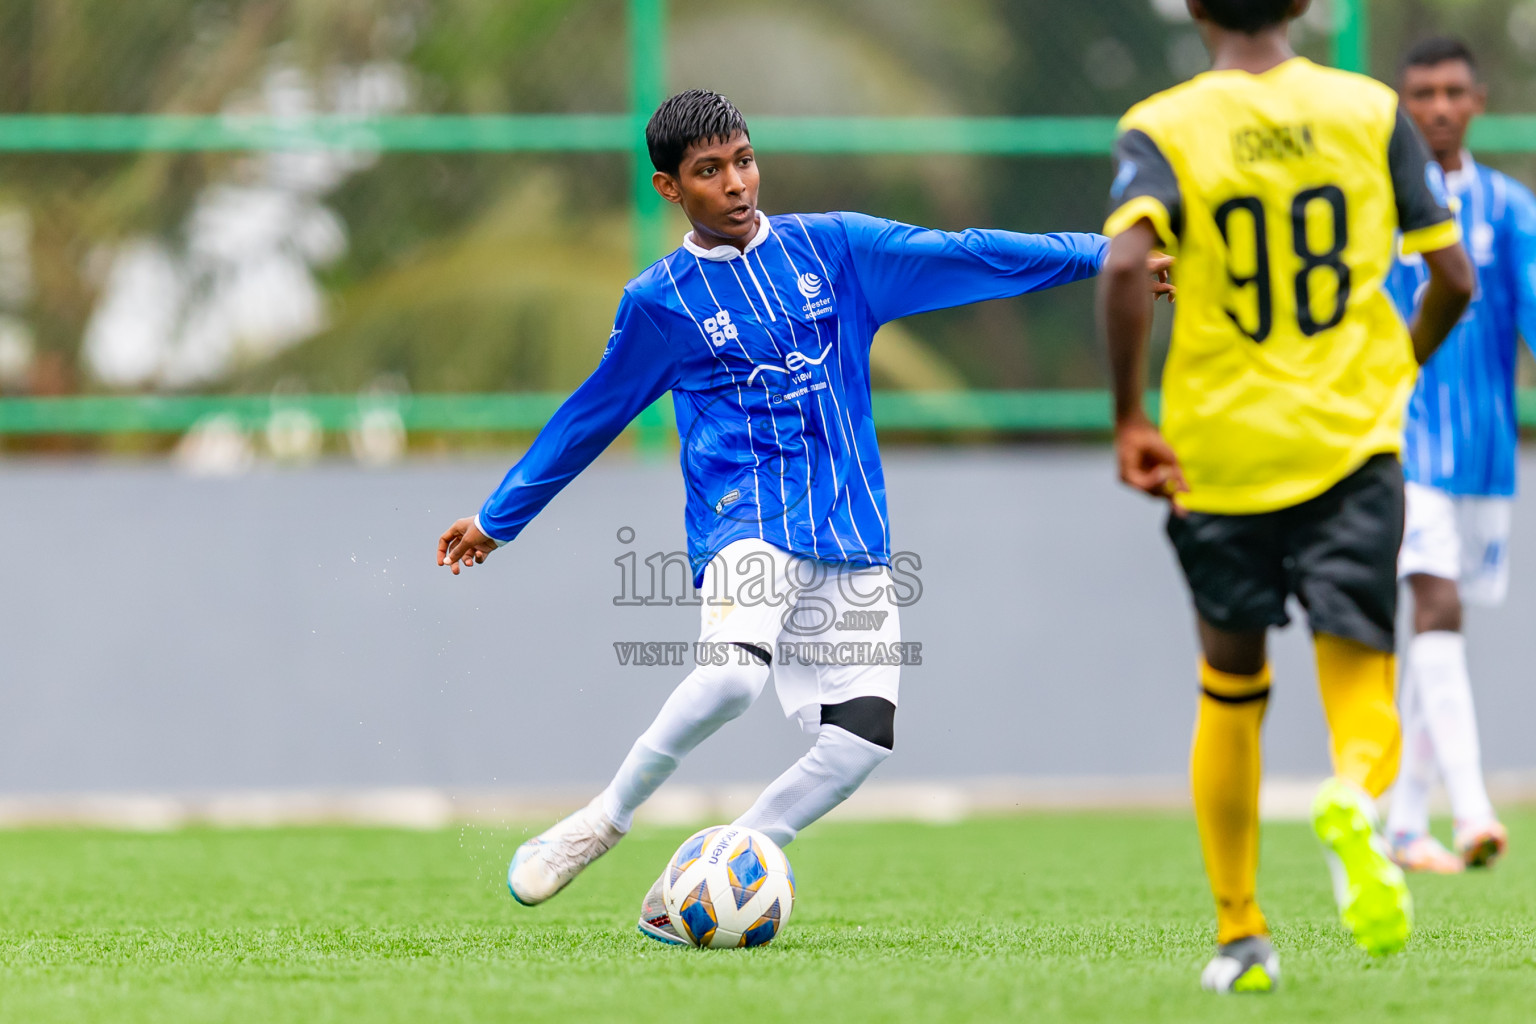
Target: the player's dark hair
pixel 1426 53
pixel 689 119
pixel 1248 16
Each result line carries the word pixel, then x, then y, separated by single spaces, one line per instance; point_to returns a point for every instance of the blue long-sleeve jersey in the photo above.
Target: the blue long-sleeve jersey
pixel 766 354
pixel 1462 431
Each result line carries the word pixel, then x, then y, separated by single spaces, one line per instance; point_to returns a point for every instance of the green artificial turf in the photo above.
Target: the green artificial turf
pixel 1042 918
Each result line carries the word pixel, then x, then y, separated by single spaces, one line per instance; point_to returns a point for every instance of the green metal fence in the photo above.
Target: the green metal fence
pixel 1023 411
pixel 1017 412
pixel 624 133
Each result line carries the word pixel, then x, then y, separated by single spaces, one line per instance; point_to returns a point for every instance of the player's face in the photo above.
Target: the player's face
pixel 1442 100
pixel 716 185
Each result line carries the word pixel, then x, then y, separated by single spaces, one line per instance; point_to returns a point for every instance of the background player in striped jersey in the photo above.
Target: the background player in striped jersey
pixel 1459 460
pixel 761 329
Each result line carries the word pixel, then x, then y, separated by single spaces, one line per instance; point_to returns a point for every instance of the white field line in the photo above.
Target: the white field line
pixel 429 808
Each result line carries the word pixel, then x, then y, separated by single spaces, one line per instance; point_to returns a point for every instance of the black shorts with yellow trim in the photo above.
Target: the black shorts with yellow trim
pixel 1337 553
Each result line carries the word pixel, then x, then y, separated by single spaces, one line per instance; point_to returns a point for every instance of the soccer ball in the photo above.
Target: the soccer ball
pixel 728 887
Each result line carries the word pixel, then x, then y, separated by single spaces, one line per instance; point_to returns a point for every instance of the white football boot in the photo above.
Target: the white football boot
pixel 549 861
pixel 655 921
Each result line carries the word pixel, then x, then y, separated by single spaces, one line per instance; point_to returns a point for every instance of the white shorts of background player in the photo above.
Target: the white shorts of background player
pixel 1463 538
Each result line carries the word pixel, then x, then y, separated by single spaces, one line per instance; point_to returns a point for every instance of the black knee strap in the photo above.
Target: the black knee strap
pixel 868 718
pixel 757 652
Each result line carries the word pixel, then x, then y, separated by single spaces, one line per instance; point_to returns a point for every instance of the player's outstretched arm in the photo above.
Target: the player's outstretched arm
pixel 1445 299
pixel 903 269
pixel 1146 460
pixel 637 368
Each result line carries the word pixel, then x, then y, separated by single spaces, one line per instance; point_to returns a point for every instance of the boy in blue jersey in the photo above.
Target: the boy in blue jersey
pixel 1459 461
pixel 761 328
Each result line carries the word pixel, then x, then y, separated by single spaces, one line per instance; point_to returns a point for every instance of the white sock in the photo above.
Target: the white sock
pixel 1438 660
pixel 711 696
pixel 1416 778
pixel 831 770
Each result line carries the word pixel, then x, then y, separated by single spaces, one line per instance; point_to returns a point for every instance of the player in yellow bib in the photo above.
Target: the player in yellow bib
pixel 1284 189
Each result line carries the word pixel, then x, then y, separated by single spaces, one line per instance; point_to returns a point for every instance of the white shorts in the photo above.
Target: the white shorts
pixel 834 629
pixel 1458 537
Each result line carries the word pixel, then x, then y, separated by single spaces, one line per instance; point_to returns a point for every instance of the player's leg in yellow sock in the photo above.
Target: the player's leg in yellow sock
pixel 1358 685
pixel 1225 765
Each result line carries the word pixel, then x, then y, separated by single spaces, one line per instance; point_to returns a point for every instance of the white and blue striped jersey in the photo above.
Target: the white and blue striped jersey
pixel 1462 429
pixel 766 353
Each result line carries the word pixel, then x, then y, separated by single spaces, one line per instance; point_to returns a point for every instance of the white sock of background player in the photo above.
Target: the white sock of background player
pixel 1416 778
pixel 1438 662
pixel 709 697
pixel 831 770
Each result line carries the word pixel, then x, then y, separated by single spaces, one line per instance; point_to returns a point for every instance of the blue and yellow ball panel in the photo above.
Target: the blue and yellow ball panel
pixel 746 868
pixel 691 850
pixel 765 929
pixel 698 915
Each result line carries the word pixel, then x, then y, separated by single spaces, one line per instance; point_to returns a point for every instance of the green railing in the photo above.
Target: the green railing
pixel 1016 412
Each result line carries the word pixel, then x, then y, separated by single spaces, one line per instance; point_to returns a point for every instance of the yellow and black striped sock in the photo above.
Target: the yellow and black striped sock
pixel 1358 685
pixel 1224 768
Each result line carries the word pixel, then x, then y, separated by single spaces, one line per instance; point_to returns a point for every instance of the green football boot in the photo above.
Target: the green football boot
pixel 1374 902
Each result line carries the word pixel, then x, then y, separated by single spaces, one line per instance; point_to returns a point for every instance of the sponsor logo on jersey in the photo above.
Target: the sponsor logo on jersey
pixel 720 329
pixel 794 365
pixel 730 497
pixel 810 287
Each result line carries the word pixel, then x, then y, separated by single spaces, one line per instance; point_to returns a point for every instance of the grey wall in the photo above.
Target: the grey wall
pixel 289 628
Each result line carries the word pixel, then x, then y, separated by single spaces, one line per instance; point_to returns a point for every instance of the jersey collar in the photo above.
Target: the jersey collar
pixel 722 253
pixel 1460 181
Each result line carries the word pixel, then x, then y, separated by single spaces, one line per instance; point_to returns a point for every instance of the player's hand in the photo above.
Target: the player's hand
pixel 1147 462
pixel 1158 265
pixel 462 544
